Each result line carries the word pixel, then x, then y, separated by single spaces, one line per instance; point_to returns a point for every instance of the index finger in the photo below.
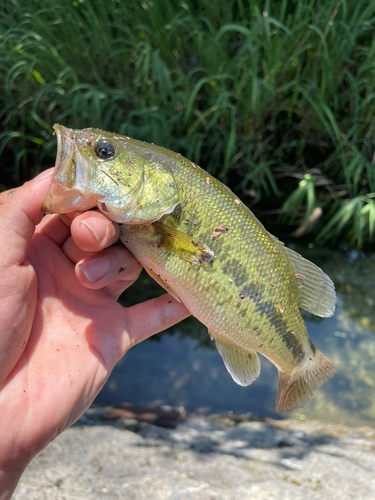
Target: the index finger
pixel 92 231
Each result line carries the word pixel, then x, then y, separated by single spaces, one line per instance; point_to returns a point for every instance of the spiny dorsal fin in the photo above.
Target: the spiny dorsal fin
pixel 244 366
pixel 317 290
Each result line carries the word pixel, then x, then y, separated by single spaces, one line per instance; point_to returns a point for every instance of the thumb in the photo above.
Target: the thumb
pixel 20 212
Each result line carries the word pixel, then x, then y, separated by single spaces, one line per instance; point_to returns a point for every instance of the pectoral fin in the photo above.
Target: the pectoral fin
pixel 180 244
pixel 244 366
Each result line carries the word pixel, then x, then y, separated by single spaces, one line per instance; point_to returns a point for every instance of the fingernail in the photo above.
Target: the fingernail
pixel 95 269
pixel 97 226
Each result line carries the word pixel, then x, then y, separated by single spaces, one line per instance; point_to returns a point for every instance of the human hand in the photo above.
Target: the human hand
pixel 61 327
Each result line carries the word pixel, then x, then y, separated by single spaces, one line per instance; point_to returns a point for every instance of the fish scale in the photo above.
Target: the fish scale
pixel 250 321
pixel 245 235
pixel 207 249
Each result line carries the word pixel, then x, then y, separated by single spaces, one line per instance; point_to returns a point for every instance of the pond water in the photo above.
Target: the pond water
pixel 182 367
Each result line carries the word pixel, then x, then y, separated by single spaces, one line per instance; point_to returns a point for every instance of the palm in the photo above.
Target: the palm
pixel 70 352
pixel 59 339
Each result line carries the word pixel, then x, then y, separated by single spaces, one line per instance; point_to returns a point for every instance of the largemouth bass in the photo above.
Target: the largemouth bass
pixel 207 249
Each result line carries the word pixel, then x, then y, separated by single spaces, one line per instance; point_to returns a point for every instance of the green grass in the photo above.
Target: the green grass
pixel 274 97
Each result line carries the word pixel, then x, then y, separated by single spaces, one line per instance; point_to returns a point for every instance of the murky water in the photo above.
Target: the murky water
pixel 182 367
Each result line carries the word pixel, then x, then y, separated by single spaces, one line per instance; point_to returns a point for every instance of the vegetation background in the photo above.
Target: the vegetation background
pixel 275 98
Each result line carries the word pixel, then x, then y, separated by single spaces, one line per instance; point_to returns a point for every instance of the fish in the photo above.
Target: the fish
pixel 204 246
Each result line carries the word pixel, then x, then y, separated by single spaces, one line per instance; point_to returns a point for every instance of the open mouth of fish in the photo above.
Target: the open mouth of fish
pixel 68 189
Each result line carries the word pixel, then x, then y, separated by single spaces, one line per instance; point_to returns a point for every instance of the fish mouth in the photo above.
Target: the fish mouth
pixel 65 194
pixel 65 152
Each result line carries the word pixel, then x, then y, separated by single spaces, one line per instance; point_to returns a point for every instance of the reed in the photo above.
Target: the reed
pixel 264 95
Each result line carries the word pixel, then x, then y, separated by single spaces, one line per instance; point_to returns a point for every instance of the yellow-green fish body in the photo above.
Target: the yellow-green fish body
pixel 207 249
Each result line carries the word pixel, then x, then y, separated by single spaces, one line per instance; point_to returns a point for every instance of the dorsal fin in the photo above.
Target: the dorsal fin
pixel 317 290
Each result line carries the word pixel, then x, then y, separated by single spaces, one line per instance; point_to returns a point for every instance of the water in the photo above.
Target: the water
pixel 182 367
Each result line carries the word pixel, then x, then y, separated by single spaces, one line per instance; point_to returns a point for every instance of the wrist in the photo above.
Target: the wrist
pixel 9 478
pixel 11 470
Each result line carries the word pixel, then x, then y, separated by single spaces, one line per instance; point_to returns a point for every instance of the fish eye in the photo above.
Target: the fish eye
pixel 104 150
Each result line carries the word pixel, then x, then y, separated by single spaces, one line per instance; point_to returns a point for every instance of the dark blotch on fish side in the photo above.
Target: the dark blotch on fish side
pixel 292 344
pixel 255 293
pixel 232 268
pixel 252 290
pixel 216 245
pixel 289 339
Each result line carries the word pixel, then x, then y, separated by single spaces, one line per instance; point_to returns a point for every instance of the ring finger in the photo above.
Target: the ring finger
pixel 113 265
pixel 113 269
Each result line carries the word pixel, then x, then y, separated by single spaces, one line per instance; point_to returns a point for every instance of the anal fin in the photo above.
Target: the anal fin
pixel 243 366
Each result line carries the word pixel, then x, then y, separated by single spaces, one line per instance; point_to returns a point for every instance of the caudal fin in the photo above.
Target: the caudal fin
pixel 296 388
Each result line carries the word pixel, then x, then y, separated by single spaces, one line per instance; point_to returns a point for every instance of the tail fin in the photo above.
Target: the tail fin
pixel 296 388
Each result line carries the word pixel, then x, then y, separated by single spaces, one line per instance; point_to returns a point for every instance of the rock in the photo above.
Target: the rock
pixel 164 416
pixel 204 459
